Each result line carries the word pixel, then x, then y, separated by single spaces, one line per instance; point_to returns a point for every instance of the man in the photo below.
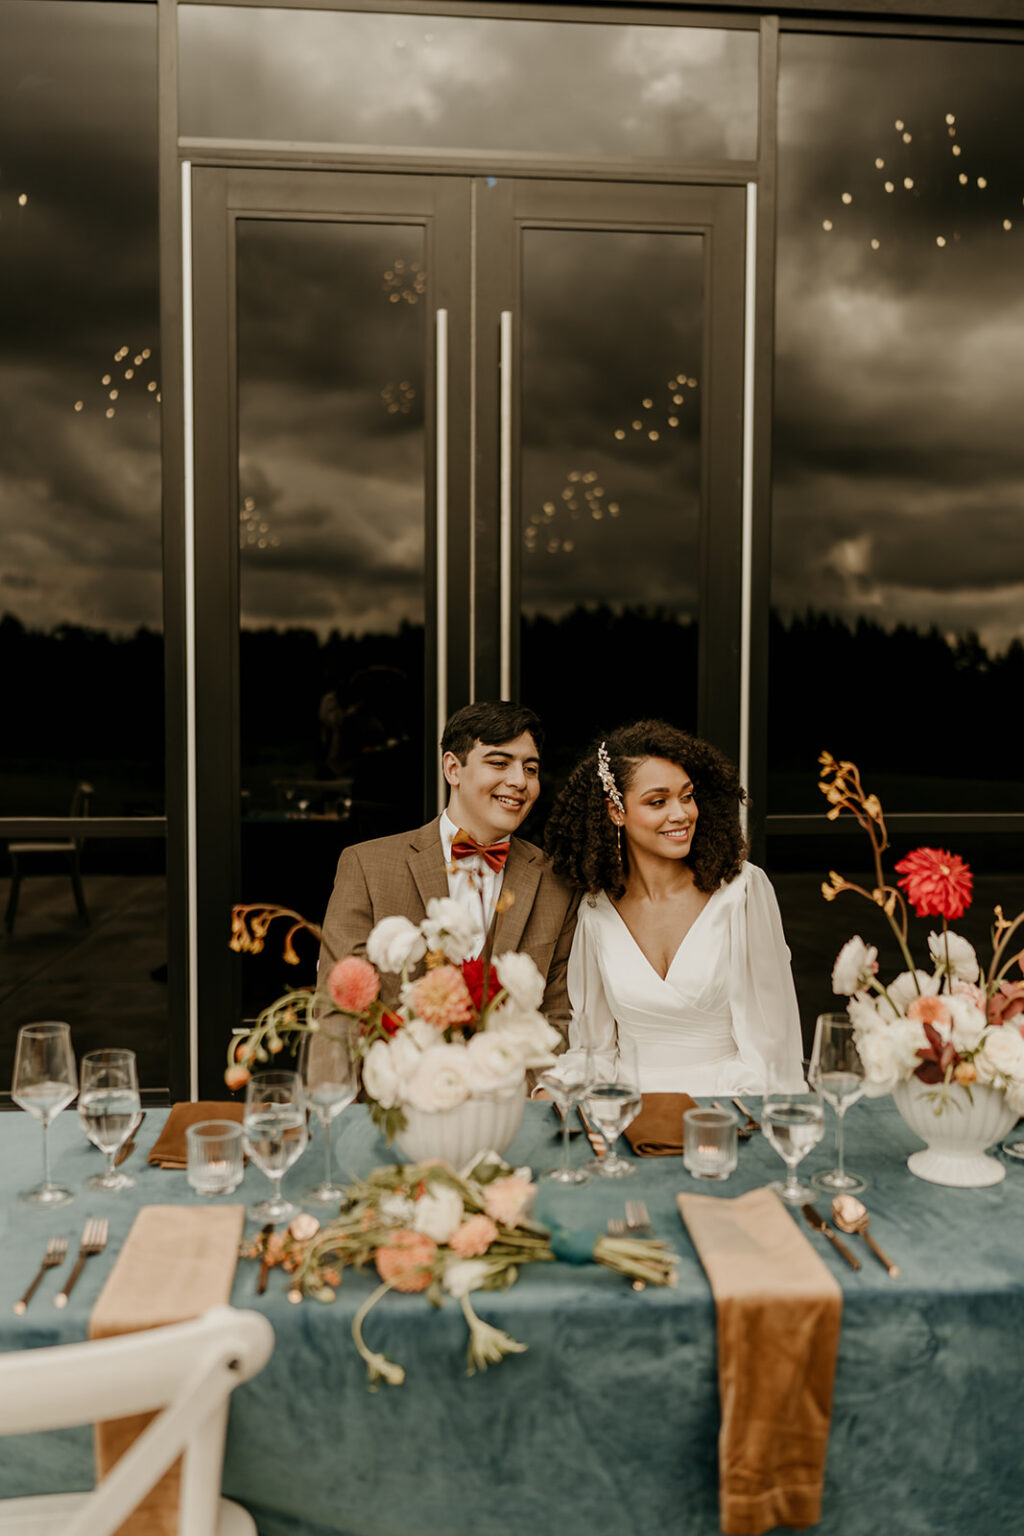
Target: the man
pixel 491 761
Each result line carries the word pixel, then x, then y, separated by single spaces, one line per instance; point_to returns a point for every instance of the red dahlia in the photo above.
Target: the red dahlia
pixel 939 884
pixel 473 976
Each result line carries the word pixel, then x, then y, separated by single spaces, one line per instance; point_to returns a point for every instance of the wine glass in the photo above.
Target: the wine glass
pixel 329 1068
pixel 274 1122
pixel 838 1073
pixel 613 1102
pixel 44 1082
pixel 567 1082
pixel 793 1120
pixel 108 1107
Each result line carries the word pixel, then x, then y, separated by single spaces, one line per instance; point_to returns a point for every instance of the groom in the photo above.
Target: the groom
pixel 491 761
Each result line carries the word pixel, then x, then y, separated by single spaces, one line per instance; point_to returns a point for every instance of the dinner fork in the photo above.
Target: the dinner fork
pixel 56 1253
pixel 752 1124
pixel 94 1240
pixel 637 1217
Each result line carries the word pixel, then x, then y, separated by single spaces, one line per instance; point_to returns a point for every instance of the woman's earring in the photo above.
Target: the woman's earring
pixel 618 839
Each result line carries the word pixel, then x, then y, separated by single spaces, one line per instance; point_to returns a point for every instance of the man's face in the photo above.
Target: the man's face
pixel 493 790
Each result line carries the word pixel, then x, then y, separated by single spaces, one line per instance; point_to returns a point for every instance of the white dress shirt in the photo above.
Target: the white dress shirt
pixel 470 879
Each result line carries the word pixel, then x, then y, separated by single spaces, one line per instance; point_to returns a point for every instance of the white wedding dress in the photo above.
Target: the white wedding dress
pixel 723 1014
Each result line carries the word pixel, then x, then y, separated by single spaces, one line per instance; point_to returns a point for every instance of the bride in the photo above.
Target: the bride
pixel 679 944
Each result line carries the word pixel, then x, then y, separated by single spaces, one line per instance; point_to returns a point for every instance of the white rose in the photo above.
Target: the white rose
pixel 856 965
pixel 394 944
pixel 449 927
pixel 903 990
pixel 440 1079
pixel 496 1063
pixel 529 1033
pixel 438 1213
pixel 464 1275
pixel 968 1023
pixel 521 980
pixel 386 1066
pixel 881 1064
pixel 1001 1054
pixel 962 963
pixel 397 1210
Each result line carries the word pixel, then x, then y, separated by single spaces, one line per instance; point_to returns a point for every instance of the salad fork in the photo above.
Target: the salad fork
pixel 56 1253
pixel 94 1240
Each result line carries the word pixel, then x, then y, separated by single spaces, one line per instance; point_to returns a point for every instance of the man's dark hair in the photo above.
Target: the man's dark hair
pixel 490 723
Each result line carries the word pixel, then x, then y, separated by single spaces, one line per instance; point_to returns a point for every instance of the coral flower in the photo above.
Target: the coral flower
pixel 474 1237
pixel 406 1260
pixel 353 983
pixel 505 1200
pixel 929 1010
pixel 1007 1003
pixel 442 998
pixel 939 884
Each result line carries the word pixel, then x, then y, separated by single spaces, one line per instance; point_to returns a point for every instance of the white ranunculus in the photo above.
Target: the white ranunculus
pixel 962 963
pixel 449 927
pixel 395 943
pixel 440 1079
pixel 902 991
pixel 521 980
pixel 1001 1054
pixel 856 965
pixel 386 1066
pixel 530 1034
pixel 397 1210
pixel 438 1212
pixel 864 1013
pixel 422 1034
pixel 496 1063
pixel 464 1275
pixel 881 1064
pixel 907 1037
pixel 968 1023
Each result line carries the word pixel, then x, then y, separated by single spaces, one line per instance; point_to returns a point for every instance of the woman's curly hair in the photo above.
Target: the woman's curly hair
pixel 580 836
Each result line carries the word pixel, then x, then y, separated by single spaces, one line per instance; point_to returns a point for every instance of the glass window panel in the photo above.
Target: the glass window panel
pixel 464 82
pixel 81 646
pixel 331 359
pixel 898 540
pixel 611 464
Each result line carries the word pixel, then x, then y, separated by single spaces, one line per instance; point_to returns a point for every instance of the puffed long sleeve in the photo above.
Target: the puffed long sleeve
pixel 593 1024
pixel 765 1014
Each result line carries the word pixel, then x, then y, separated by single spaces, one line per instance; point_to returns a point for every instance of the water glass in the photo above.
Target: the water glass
pixel 108 1107
pixel 44 1082
pixel 709 1142
pixel 274 1122
pixel 215 1161
pixel 793 1121
pixel 329 1068
pixel 838 1073
pixel 567 1082
pixel 613 1102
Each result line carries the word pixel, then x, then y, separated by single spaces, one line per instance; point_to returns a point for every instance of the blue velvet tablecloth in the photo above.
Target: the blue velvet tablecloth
pixel 607 1426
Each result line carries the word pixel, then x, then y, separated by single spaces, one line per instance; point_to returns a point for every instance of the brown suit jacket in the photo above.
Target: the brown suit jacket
pixel 397 876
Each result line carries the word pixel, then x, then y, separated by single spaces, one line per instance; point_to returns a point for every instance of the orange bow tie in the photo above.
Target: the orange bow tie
pixel 465 846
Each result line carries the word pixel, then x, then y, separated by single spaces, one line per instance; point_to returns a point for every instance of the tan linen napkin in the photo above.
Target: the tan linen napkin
pixel 779 1312
pixel 176 1262
pixel 169 1150
pixel 657 1130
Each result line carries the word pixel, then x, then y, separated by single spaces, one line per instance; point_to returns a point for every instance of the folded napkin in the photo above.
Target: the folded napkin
pixel 169 1150
pixel 779 1313
pixel 176 1262
pixel 657 1130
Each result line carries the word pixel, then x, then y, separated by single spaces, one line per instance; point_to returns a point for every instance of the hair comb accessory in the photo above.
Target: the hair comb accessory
pixel 608 784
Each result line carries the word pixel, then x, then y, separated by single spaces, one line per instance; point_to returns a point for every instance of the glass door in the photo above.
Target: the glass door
pixel 610 498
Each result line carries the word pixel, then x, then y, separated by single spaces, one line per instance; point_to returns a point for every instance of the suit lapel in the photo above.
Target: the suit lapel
pixel 522 877
pixel 426 864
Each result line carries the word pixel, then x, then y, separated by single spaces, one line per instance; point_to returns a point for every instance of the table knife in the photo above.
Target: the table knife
pixel 817 1221
pixel 266 1233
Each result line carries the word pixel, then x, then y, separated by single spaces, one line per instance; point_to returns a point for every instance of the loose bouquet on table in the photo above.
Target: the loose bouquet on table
pixel 949 1024
pixel 464 1027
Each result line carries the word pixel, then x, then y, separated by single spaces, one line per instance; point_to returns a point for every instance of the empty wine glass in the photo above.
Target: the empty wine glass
pixel 44 1082
pixel 793 1120
pixel 108 1107
pixel 274 1122
pixel 329 1068
pixel 613 1102
pixel 838 1073
pixel 567 1082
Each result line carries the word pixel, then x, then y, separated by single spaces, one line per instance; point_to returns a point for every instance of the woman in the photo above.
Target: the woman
pixel 679 944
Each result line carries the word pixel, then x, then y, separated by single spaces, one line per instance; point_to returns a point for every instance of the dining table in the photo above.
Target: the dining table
pixel 607 1424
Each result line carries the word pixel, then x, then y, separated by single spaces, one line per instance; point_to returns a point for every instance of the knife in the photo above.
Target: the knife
pixel 817 1221
pixel 593 1136
pixel 265 1266
pixel 124 1152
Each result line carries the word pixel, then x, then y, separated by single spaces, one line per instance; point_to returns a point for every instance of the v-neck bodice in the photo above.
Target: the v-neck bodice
pixel 679 947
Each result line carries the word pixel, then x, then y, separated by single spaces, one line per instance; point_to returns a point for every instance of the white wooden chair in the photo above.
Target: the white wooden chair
pixel 187 1370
